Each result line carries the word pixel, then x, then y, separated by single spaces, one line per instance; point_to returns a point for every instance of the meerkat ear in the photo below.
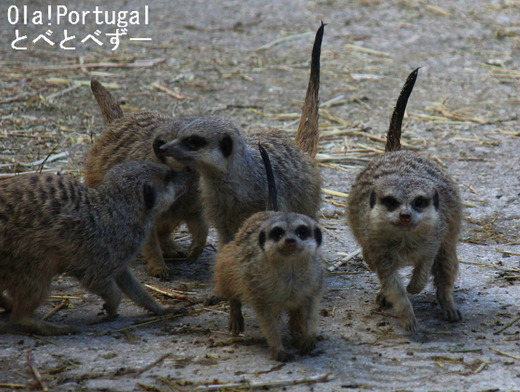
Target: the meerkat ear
pixel 372 199
pixel 226 145
pixel 436 199
pixel 110 109
pixel 261 239
pixel 157 143
pixel 149 195
pixel 317 235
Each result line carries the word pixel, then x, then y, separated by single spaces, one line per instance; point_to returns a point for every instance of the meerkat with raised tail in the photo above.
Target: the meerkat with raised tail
pixel 53 224
pixel 233 183
pixel 405 210
pixel 273 264
pixel 130 137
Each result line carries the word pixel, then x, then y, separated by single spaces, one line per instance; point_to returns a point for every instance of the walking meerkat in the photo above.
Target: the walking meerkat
pixel 273 264
pixel 52 224
pixel 405 210
pixel 233 183
pixel 130 137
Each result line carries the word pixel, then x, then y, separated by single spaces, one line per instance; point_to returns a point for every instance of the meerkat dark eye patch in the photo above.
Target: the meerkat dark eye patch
pixel 317 235
pixel 149 195
pixel 226 145
pixel 276 234
pixel 420 202
pixel 261 239
pixel 390 202
pixel 372 199
pixel 195 143
pixel 303 232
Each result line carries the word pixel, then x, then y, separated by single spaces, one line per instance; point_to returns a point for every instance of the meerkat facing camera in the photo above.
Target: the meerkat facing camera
pixel 273 264
pixel 233 183
pixel 130 137
pixel 405 210
pixel 53 224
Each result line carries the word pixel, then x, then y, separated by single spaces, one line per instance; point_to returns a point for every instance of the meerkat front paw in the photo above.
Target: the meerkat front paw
pixel 383 302
pixel 452 314
pixel 282 356
pixel 306 345
pixel 159 271
pixel 409 322
pixel 236 324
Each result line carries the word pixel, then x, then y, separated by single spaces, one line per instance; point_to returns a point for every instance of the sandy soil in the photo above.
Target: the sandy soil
pixel 249 60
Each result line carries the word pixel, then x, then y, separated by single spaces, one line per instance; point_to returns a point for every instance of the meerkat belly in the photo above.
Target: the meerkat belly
pixel 414 249
pixel 292 289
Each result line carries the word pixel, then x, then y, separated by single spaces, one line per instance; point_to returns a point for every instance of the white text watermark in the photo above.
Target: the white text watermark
pixel 54 19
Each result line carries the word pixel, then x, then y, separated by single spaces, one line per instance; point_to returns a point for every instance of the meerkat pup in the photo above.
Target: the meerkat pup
pixel 405 210
pixel 233 183
pixel 273 264
pixel 130 137
pixel 52 224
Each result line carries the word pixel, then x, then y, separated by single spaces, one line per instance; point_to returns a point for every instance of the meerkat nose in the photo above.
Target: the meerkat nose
pixel 290 242
pixel 405 216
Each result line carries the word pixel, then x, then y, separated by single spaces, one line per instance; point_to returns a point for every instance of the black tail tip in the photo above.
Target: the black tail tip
pixel 94 83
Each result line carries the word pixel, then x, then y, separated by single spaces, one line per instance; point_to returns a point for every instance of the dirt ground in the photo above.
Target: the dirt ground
pixel 249 60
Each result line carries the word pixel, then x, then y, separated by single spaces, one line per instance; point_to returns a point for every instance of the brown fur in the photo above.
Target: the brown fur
pixel 274 274
pixel 233 183
pixel 405 210
pixel 130 137
pixel 53 224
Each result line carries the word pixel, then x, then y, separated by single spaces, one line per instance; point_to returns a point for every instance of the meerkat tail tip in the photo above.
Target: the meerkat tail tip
pixel 307 135
pixel 393 138
pixel 110 109
pixel 272 204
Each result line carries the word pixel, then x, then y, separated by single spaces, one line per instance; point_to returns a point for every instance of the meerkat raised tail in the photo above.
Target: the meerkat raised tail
pixel 130 137
pixel 405 210
pixel 51 224
pixel 273 265
pixel 233 183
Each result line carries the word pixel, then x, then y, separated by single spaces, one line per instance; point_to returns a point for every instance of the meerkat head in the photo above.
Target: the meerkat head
pixel 404 204
pixel 289 235
pixel 154 184
pixel 207 144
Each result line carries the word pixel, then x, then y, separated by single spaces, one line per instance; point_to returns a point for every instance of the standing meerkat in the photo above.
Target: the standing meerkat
pixel 130 137
pixel 405 210
pixel 273 264
pixel 233 183
pixel 52 224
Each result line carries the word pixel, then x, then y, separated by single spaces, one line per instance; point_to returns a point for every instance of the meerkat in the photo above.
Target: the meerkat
pixel 232 184
pixel 273 264
pixel 53 224
pixel 130 137
pixel 405 210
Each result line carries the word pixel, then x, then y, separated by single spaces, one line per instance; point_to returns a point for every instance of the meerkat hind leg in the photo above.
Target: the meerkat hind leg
pixel 39 327
pixel 24 305
pixel 393 291
pixel 444 272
